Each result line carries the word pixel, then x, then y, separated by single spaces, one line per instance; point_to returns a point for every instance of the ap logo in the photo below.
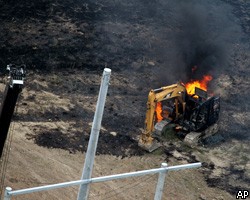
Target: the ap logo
pixel 242 194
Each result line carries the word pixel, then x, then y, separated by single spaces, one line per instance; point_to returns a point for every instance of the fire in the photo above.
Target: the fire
pixel 202 84
pixel 190 87
pixel 158 111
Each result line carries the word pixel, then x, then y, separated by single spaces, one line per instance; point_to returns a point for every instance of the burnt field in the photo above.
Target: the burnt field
pixel 147 44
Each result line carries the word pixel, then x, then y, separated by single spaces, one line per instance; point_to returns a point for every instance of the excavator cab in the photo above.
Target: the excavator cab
pixel 204 115
pixel 201 111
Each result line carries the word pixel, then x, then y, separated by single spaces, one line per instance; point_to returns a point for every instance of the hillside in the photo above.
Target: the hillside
pixel 147 44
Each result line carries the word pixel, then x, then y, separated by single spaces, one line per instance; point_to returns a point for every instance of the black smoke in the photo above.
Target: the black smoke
pixel 202 38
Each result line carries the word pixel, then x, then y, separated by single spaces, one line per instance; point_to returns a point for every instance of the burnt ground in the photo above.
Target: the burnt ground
pixel 66 45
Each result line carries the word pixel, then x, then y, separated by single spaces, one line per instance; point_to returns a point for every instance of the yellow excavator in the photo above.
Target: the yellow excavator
pixel 172 105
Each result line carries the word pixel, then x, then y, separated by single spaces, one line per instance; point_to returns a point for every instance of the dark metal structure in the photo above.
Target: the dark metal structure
pixel 204 114
pixel 12 90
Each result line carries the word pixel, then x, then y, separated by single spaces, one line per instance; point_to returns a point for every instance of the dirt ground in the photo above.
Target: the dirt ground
pixel 66 46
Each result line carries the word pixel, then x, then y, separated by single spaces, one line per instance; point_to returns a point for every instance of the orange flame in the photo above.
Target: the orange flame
pixel 158 111
pixel 202 84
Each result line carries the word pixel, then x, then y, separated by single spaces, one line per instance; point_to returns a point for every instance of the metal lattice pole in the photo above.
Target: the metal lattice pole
pixel 92 145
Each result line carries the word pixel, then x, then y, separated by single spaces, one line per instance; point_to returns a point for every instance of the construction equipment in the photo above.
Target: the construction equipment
pixel 188 115
pixel 12 90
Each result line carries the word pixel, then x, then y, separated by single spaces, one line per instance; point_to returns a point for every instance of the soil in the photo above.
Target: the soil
pixel 65 46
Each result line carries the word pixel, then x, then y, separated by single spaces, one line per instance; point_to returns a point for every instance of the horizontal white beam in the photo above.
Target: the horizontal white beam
pixel 102 179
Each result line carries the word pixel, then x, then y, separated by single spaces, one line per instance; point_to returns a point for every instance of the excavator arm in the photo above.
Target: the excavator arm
pixel 176 92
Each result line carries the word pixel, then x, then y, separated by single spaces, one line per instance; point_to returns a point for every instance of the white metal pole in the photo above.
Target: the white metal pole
pixel 160 183
pixel 6 195
pixel 92 145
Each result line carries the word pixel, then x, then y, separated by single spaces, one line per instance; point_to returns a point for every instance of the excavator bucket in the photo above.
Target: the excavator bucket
pixel 149 146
